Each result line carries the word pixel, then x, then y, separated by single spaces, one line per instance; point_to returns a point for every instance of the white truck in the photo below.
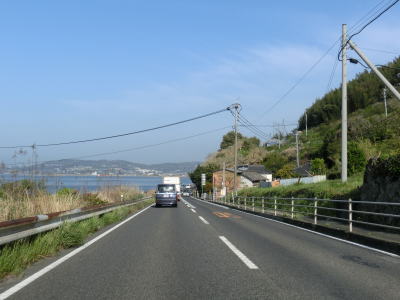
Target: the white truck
pixel 173 180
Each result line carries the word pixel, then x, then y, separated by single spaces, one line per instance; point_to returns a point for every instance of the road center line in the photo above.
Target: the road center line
pixel 59 261
pixel 193 210
pixel 239 253
pixel 204 220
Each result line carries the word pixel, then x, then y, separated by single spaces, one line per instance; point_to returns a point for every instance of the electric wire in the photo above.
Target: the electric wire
pixel 366 25
pixel 380 50
pixel 139 147
pixel 332 75
pixel 118 135
pixel 250 128
pixel 246 123
pixel 312 67
pixel 251 125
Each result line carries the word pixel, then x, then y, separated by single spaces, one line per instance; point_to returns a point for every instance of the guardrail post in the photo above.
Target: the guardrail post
pixel 253 203
pixel 245 202
pixel 292 207
pixel 275 205
pixel 262 203
pixel 350 216
pixel 315 210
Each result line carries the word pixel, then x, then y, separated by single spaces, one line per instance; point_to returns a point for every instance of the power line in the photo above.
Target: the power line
pixel 294 86
pixel 139 147
pixel 251 125
pixel 328 87
pixel 246 123
pixel 380 50
pixel 153 145
pixel 118 135
pixel 367 24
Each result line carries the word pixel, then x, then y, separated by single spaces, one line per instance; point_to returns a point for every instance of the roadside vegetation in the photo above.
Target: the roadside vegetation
pixel 332 189
pixel 28 198
pixel 16 257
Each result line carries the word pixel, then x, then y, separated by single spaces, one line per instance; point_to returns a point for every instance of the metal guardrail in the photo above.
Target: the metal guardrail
pixel 21 228
pixel 282 206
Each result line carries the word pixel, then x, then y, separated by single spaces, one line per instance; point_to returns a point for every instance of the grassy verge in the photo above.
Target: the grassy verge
pixel 14 258
pixel 331 189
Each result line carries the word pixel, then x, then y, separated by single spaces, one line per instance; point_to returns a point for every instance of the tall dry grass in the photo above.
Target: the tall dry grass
pixel 18 203
pixel 112 194
pixel 19 206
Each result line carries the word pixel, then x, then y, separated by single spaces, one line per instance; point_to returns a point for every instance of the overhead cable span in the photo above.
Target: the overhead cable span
pixel 118 135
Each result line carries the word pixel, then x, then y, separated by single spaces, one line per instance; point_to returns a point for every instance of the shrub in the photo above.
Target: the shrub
pixel 287 171
pixel 356 159
pixel 318 166
pixel 67 192
pixel 92 199
pixel 275 161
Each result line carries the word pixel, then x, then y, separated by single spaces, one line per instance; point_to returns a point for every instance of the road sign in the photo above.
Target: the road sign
pixel 203 179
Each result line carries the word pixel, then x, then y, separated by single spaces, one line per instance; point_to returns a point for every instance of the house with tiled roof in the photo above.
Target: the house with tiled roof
pixel 247 176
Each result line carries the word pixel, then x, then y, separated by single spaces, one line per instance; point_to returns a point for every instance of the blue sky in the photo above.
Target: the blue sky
pixel 80 69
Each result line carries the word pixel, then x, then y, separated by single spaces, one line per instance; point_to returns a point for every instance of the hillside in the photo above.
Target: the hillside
pixel 370 133
pixel 363 91
pixel 109 167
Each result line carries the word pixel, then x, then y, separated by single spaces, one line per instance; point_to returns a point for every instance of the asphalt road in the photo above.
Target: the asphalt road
pixel 172 253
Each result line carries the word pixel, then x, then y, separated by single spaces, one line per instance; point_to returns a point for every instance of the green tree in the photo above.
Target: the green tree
pixel 318 166
pixel 229 140
pixel 195 176
pixel 356 159
pixel 287 171
pixel 274 161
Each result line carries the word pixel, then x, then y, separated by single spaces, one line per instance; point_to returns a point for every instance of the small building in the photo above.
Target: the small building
pixel 247 176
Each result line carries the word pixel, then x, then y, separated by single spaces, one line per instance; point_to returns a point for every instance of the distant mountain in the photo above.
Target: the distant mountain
pixel 110 167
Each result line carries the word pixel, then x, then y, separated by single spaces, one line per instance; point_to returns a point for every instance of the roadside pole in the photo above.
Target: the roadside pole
pixel 236 106
pixel 344 104
pixel 306 125
pixel 297 149
pixel 384 99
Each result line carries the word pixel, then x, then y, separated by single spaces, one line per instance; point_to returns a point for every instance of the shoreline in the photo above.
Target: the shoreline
pixel 86 175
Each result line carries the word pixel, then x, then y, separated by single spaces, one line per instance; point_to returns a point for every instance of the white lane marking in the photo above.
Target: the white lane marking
pixel 58 262
pixel 188 204
pixel 322 234
pixel 193 210
pixel 239 253
pixel 204 220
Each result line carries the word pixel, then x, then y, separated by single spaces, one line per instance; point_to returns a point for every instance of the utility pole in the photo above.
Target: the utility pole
pixel 344 103
pixel 223 178
pixel 384 99
pixel 297 149
pixel 306 124
pixel 236 106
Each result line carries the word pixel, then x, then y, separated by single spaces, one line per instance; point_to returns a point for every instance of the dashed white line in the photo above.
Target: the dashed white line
pixel 239 254
pixel 204 220
pixel 193 210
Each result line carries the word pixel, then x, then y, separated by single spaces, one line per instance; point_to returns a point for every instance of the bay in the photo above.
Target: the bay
pixel 92 183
